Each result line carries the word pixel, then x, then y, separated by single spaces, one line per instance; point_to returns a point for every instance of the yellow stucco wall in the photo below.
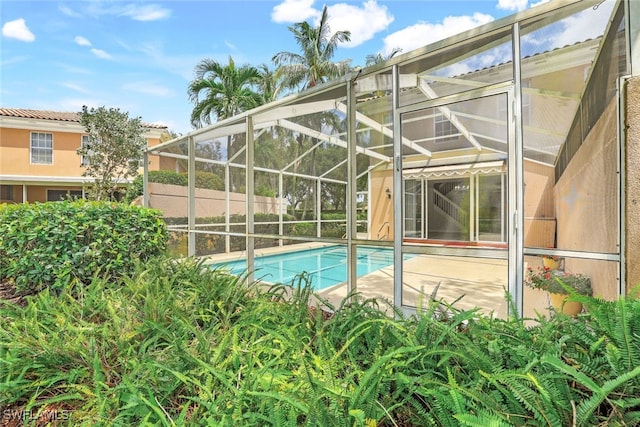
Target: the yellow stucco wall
pixel 15 159
pixel 15 156
pixel 381 207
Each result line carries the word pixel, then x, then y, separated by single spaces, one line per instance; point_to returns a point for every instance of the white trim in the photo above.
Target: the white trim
pixel 49 180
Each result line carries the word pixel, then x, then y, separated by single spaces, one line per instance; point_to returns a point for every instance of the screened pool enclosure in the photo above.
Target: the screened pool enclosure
pixel 471 158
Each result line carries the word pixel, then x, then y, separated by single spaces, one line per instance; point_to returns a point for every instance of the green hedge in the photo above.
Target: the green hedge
pixel 53 244
pixel 206 180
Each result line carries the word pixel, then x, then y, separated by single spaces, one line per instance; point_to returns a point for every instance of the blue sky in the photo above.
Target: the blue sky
pixel 139 56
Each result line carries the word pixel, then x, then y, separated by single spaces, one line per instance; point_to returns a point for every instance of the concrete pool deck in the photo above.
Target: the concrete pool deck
pixel 473 282
pixel 470 282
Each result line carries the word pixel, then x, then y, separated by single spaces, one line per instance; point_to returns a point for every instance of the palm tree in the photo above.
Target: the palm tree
pixel 222 90
pixel 313 65
pixel 270 84
pixel 379 58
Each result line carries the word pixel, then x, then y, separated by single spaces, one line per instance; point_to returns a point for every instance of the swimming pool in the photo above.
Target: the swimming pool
pixel 326 266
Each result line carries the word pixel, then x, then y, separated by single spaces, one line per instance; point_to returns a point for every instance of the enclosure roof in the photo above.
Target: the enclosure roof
pixel 331 96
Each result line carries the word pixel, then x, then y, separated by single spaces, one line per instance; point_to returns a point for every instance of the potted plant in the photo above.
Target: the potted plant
pixel 557 283
pixel 551 261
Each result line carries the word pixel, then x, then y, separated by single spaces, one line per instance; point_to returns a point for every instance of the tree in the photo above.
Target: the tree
pixel 379 58
pixel 313 65
pixel 270 84
pixel 113 150
pixel 222 91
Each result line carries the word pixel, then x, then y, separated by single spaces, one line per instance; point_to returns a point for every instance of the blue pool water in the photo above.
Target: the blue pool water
pixel 326 266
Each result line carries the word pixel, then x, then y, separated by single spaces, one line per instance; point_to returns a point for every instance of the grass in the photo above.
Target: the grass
pixel 175 344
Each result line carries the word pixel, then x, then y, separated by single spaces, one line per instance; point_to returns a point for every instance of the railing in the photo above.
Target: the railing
pixel 383 236
pixel 446 187
pixel 449 207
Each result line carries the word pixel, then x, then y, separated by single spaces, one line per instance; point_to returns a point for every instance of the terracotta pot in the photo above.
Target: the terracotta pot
pixel 550 263
pixel 570 308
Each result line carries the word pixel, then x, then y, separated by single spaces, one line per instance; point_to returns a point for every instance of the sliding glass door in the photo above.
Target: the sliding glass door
pixel 462 208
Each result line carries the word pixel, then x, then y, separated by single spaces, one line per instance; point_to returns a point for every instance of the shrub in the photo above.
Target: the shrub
pixel 207 180
pixel 53 244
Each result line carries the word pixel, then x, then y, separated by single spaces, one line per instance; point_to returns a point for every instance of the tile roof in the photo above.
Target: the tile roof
pixel 60 116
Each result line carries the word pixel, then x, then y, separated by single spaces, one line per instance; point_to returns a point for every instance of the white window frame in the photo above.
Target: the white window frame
pixel 38 148
pixel 444 130
pixel 84 160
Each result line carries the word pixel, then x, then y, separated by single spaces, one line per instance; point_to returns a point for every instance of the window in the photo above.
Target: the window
pixel 84 160
pixel 57 195
pixel 445 131
pixel 6 193
pixel 41 148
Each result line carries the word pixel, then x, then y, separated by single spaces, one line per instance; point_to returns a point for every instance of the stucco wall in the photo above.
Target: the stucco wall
pixel 632 184
pixel 15 158
pixel 381 207
pixel 586 198
pixel 15 155
pixel 172 201
pixel 539 210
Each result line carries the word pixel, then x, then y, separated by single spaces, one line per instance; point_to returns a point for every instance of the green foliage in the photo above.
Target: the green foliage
pixel 50 245
pixel 113 151
pixel 204 179
pixel 176 343
pixel 168 177
pixel 558 282
pixel 209 181
pixel 220 91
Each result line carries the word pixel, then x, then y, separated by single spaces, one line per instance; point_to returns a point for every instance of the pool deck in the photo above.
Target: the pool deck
pixel 469 282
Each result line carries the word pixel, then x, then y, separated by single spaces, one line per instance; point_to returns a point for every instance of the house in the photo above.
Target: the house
pixel 38 154
pixel 482 153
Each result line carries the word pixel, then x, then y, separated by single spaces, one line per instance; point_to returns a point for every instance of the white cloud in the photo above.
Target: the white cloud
pixel 148 88
pixel 68 11
pixel 290 11
pixel 363 22
pixel 424 33
pixel 72 69
pixel 75 87
pixel 539 3
pixel 516 5
pixel 587 24
pixel 17 29
pixel 150 12
pixel 82 41
pixel 182 65
pixel 100 53
pixel 14 60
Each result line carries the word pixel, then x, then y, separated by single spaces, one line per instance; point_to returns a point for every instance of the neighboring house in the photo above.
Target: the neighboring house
pixel 38 155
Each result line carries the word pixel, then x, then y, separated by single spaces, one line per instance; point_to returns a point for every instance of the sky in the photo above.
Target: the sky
pixel 139 56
